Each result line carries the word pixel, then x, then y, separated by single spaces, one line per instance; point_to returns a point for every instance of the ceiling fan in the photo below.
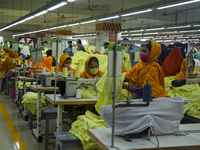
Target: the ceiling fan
pixel 45 20
pixel 62 16
pixel 89 8
pixel 124 20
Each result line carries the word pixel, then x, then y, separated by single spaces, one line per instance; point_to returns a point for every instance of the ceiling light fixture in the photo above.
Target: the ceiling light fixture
pixel 52 28
pixel 150 33
pixel 178 4
pixel 196 25
pixel 57 6
pixel 40 13
pixel 155 29
pixel 62 26
pixel 73 24
pixel 138 12
pixel 137 30
pixel 125 35
pixel 88 21
pixel 108 18
pixel 190 31
pixel 176 27
pixel 135 34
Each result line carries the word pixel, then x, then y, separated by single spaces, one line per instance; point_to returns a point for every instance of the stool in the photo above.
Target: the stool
pixel 50 113
pixel 7 81
pixel 65 140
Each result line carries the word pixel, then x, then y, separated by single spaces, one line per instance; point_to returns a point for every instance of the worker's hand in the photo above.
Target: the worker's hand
pixel 128 51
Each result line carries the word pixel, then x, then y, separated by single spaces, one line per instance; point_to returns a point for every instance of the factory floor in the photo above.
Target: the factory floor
pixel 15 133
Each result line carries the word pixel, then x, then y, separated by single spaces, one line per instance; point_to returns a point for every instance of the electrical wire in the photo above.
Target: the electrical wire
pixel 156 138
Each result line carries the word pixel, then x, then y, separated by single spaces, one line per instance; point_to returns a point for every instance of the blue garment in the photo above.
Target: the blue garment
pixel 196 55
pixel 132 49
pixel 69 50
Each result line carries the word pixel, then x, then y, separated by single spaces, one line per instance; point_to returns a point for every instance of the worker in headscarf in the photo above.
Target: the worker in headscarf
pixel 91 68
pixel 65 61
pixel 6 65
pixel 172 63
pixel 147 70
pixel 49 54
pixel 68 50
pixel 80 46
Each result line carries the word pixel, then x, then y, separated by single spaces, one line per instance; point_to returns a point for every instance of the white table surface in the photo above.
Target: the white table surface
pixel 103 138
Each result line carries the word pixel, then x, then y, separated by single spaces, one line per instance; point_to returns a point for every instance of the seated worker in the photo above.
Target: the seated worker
pixel 49 54
pixel 80 46
pixel 6 65
pixel 68 50
pixel 91 68
pixel 18 57
pixel 172 63
pixel 65 61
pixel 147 68
pixel 5 53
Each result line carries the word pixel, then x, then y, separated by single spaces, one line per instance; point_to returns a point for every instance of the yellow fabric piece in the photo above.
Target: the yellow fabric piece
pixel 84 122
pixel 20 84
pixel 89 93
pixel 2 75
pixel 30 101
pixel 127 61
pixel 90 49
pixel 168 81
pixel 190 92
pixel 105 88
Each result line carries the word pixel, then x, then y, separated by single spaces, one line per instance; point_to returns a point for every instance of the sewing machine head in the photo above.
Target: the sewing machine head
pixel 69 86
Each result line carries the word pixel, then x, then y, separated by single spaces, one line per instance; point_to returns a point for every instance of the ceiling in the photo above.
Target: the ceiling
pixel 11 10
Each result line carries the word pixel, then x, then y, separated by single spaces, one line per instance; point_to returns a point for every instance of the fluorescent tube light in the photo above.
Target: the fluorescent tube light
pixel 150 33
pixel 135 34
pixel 31 17
pixel 62 26
pixel 73 24
pixel 190 31
pixel 57 6
pixel 197 25
pixel 88 21
pixel 125 35
pixel 108 18
pixel 71 0
pixel 137 30
pixel 52 28
pixel 178 4
pixel 139 12
pixel 143 39
pixel 88 34
pixel 168 32
pixel 40 13
pixel 179 27
pixel 155 29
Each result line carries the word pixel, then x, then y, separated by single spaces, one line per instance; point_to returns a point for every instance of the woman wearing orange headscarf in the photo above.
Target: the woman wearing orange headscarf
pixel 171 65
pixel 91 68
pixel 147 69
pixel 47 63
pixel 5 66
pixel 65 61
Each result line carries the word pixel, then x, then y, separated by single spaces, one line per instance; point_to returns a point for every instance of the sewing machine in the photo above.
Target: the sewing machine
pixel 68 86
pixel 46 78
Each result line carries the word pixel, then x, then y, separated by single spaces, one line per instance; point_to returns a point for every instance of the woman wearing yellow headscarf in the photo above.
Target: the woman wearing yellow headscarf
pixel 91 68
pixel 65 61
pixel 147 69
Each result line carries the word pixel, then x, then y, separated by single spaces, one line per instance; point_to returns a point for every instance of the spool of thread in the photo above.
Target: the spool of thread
pixel 147 93
pixel 22 66
pixel 43 70
pixel 19 62
pixel 196 69
pixel 78 93
pixel 14 60
pixel 65 73
pixel 77 73
pixel 30 64
pixel 52 70
pixel 25 62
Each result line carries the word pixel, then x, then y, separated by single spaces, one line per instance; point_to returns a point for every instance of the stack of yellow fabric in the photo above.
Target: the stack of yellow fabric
pixel 84 122
pixel 90 49
pixel 190 92
pixel 20 84
pixel 30 101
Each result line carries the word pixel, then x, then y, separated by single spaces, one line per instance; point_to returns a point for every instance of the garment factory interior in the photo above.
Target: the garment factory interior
pixel 99 74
